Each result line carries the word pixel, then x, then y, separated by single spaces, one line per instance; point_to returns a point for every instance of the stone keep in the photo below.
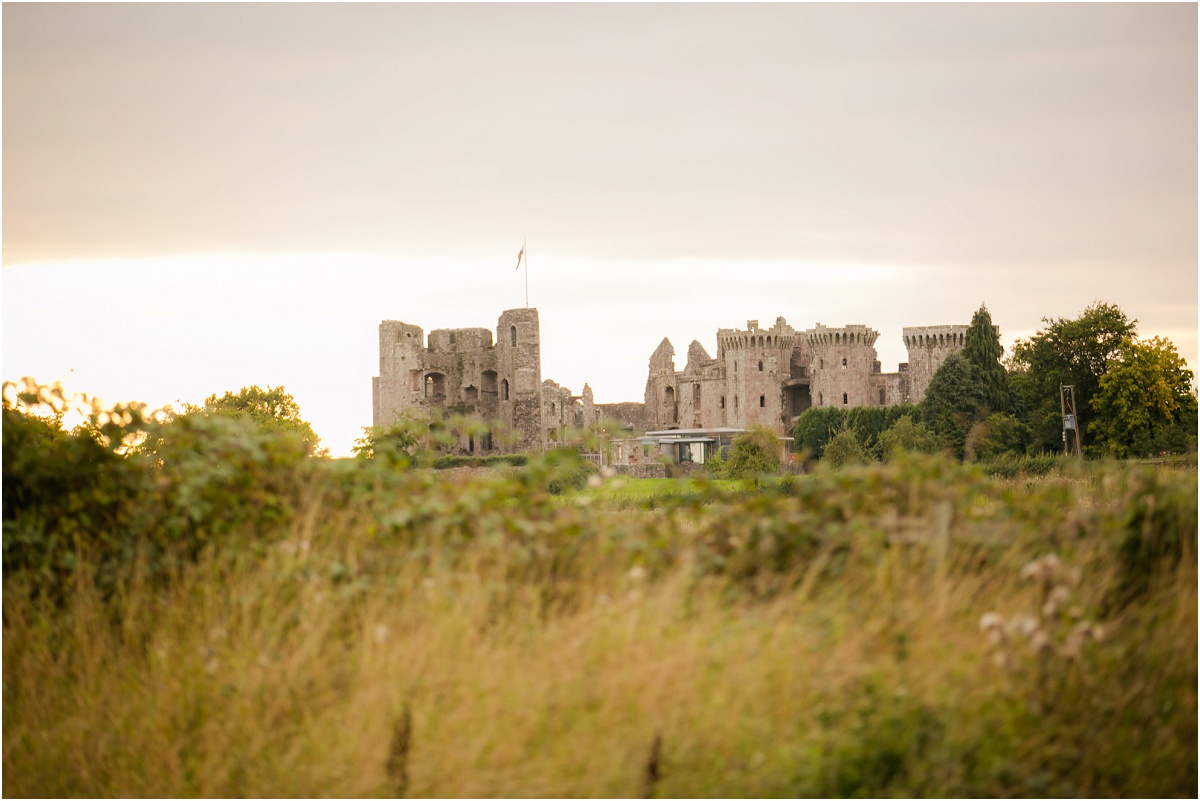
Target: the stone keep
pixel 463 370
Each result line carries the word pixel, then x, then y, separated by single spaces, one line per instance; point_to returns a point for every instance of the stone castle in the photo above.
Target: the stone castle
pixel 759 377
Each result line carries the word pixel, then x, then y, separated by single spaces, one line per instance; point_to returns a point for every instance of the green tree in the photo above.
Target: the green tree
pixel 271 410
pixel 954 401
pixel 816 426
pixel 983 350
pixel 1076 352
pixel 907 436
pixel 1145 403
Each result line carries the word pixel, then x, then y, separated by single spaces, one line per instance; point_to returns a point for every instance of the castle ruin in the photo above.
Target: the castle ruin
pixel 769 376
pixel 463 370
pixel 760 376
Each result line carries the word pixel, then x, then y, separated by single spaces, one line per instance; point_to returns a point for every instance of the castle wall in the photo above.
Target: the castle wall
pixel 519 362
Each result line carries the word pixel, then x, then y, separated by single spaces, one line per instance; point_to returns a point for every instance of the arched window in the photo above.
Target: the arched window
pixel 512 335
pixel 504 389
pixel 845 399
pixel 881 396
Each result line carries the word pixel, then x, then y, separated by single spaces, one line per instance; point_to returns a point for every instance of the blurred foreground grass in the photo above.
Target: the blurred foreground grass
pixel 909 629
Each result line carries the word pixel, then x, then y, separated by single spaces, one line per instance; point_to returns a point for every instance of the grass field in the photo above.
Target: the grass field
pixel 911 629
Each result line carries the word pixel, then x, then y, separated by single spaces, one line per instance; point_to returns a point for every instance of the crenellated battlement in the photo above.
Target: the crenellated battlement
pixel 935 336
pixel 844 336
pixel 779 336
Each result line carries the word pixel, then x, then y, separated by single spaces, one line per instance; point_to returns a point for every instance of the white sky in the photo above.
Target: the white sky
pixel 201 197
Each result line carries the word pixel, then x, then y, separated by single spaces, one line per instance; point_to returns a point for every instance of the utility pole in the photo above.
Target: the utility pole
pixel 1070 417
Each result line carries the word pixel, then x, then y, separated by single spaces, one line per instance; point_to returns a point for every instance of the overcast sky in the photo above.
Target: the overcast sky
pixel 201 197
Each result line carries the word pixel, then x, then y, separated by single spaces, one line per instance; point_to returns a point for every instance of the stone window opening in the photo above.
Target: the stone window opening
pixel 722 401
pixel 881 396
pixel 760 365
pixel 504 389
pixel 845 399
pixel 435 386
pixel 512 335
pixel 735 402
pixel 843 362
pixel 822 363
pixel 820 398
pixel 762 401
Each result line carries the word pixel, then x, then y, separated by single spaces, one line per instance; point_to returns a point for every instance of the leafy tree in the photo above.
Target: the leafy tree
pixel 907 436
pixel 845 449
pixel 753 453
pixel 271 410
pixel 395 442
pixel 983 350
pixel 1077 352
pixel 997 434
pixel 1145 402
pixel 954 401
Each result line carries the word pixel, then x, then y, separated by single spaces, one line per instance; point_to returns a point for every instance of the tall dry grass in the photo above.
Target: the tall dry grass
pixel 464 675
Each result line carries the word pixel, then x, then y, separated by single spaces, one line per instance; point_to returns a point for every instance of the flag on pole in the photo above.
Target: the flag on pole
pixel 520 255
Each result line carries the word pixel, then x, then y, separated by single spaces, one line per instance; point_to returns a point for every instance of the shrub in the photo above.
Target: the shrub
pixel 754 453
pixel 845 449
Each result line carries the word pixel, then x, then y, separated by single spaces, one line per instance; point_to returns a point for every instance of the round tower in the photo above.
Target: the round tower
pixel 842 361
pixel 756 362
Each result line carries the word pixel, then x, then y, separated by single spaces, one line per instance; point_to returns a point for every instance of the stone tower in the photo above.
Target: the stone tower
pixel 519 364
pixel 842 361
pixel 757 362
pixel 662 407
pixel 928 346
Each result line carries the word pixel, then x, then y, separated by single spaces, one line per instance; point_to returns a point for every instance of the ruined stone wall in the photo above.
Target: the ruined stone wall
pixel 662 396
pixel 631 415
pixel 399 386
pixel 843 363
pixel 928 346
pixel 890 389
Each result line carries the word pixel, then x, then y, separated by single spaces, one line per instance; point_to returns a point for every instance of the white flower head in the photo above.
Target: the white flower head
pixel 990 621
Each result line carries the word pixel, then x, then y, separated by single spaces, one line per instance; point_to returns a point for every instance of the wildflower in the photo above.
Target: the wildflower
pixel 594 481
pixel 637 573
pixel 380 633
pixel 1002 660
pixel 608 472
pixel 1022 624
pixel 1032 571
pixel 1040 641
pixel 990 621
pixel 1097 632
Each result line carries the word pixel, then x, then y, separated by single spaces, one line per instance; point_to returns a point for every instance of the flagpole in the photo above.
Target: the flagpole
pixel 525 247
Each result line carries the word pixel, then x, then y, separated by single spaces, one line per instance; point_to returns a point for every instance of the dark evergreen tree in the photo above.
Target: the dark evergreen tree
pixel 983 350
